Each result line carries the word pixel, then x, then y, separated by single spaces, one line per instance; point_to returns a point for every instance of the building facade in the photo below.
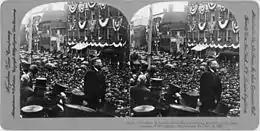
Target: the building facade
pixel 212 26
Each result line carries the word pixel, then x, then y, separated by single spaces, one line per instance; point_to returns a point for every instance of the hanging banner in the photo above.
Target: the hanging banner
pixel 103 22
pixel 212 6
pixel 91 5
pixel 102 6
pixel 72 7
pixel 82 24
pixel 81 7
pixel 117 23
pixel 193 9
pixel 235 27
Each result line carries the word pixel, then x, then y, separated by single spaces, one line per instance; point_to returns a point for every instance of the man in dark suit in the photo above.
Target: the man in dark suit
pixel 95 85
pixel 210 88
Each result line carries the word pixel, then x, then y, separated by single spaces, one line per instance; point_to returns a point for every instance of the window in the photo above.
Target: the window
pixel 215 34
pixel 207 35
pixel 213 17
pixel 229 35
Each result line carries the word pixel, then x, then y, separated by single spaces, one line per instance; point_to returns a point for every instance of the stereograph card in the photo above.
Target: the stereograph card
pixel 129 64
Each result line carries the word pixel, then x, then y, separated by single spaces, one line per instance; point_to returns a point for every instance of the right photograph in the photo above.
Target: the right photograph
pixel 184 61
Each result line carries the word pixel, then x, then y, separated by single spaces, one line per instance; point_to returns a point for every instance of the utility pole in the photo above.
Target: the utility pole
pixel 150 37
pixel 30 40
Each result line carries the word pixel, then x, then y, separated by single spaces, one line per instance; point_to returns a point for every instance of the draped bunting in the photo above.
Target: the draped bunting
pixel 81 7
pixel 193 9
pixel 103 22
pixel 222 8
pixel 82 45
pixel 82 24
pixel 72 25
pixel 235 27
pixel 117 24
pixel 201 9
pixel 72 7
pixel 223 23
pixel 102 6
pixel 91 5
pixel 202 26
pixel 212 6
pixel 92 24
pixel 192 27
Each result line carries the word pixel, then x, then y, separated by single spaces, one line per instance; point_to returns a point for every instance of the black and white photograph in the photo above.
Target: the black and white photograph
pixel 74 61
pixel 184 61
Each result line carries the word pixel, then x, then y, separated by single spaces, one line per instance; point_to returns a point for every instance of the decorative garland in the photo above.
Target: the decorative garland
pixel 117 24
pixel 103 22
pixel 193 9
pixel 192 27
pixel 222 8
pixel 82 24
pixel 212 6
pixel 202 26
pixel 72 7
pixel 235 27
pixel 91 5
pixel 81 7
pixel 102 6
pixel 92 24
pixel 223 24
pixel 201 9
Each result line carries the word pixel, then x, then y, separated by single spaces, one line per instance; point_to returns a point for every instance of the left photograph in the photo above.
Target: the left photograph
pixel 74 61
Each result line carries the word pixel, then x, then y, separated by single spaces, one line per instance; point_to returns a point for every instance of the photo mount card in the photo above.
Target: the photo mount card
pixel 77 36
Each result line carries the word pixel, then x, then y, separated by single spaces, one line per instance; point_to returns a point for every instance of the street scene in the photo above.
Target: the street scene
pixel 184 61
pixel 74 61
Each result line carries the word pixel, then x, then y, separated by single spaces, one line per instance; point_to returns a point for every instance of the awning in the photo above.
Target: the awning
pixel 200 47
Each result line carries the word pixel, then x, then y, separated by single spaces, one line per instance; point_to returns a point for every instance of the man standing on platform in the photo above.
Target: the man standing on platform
pixel 210 88
pixel 95 85
pixel 27 89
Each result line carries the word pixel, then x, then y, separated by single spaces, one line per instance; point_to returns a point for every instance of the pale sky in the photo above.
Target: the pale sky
pixel 142 15
pixel 55 7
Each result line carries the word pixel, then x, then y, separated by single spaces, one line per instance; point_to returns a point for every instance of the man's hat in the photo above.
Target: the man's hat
pixel 156 81
pixel 32 111
pixel 41 83
pixel 59 88
pixel 172 89
pixel 34 68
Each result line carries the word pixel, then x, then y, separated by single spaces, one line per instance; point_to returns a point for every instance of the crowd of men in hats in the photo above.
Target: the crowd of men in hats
pixel 184 86
pixel 72 86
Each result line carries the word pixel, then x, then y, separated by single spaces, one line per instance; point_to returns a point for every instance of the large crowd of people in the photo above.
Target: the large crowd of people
pixel 187 72
pixel 70 70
